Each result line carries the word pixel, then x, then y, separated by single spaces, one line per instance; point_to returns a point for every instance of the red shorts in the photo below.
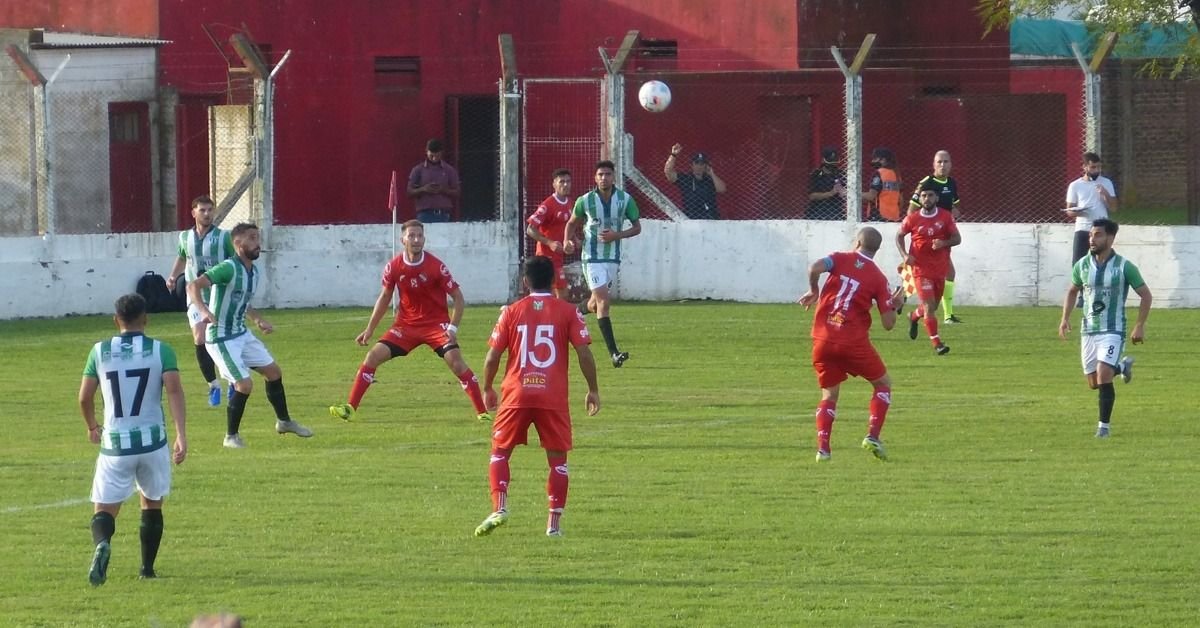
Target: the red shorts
pixel 511 428
pixel 834 363
pixel 560 275
pixel 929 289
pixel 409 338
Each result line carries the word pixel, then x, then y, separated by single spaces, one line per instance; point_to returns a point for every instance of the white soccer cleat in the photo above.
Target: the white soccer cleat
pixel 234 441
pixel 284 427
pixel 1127 368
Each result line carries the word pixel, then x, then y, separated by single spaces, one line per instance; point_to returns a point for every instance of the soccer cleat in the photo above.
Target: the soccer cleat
pixel 214 395
pixel 99 571
pixel 619 358
pixel 1102 431
pixel 283 427
pixel 942 349
pixel 554 532
pixel 912 328
pixel 822 455
pixel 484 417
pixel 234 441
pixel 1127 368
pixel 343 411
pixel 147 574
pixel 874 446
pixel 952 320
pixel 493 521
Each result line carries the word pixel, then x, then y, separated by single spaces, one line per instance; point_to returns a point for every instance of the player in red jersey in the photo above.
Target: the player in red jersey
pixel 424 283
pixel 536 332
pixel 841 341
pixel 933 232
pixel 548 223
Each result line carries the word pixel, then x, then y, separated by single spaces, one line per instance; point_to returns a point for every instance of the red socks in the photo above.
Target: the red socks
pixel 470 385
pixel 881 400
pixel 826 412
pixel 498 475
pixel 931 326
pixel 362 381
pixel 556 490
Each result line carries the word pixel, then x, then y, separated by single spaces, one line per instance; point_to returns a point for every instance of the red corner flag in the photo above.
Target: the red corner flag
pixel 393 194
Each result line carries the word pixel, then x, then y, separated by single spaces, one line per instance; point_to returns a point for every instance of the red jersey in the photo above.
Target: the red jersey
pixel 424 287
pixel 537 332
pixel 930 264
pixel 550 219
pixel 844 308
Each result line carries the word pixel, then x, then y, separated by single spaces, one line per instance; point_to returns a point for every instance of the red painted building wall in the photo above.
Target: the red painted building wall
pixel 133 18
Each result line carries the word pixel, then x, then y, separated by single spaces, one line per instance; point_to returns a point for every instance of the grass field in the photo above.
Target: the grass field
pixel 694 499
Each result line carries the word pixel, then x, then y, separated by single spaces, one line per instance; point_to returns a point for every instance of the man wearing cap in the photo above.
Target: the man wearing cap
pixel 699 187
pixel 433 184
pixel 883 195
pixel 827 189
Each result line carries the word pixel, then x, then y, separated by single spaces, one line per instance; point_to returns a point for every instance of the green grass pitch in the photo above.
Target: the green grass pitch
pixel 695 500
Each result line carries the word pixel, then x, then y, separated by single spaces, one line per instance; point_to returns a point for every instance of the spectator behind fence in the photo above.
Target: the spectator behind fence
pixel 827 189
pixel 1089 198
pixel 699 187
pixel 883 194
pixel 434 185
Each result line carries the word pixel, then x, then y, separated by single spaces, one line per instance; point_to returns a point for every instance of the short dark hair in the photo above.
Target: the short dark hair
pixel 1109 226
pixel 434 145
pixel 408 224
pixel 203 199
pixel 1091 158
pixel 561 172
pixel 130 307
pixel 604 163
pixel 539 270
pixel 242 227
pixel 929 185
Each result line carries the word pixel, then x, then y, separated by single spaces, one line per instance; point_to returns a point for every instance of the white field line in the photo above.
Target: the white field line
pixel 59 504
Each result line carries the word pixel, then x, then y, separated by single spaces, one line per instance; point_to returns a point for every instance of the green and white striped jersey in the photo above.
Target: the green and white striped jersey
pixel 1105 287
pixel 202 253
pixel 233 286
pixel 130 370
pixel 600 216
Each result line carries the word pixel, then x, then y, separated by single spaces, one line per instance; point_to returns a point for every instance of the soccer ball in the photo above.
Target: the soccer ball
pixel 655 96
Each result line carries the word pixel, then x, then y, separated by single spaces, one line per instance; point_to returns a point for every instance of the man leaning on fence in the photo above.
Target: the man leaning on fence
pixel 433 184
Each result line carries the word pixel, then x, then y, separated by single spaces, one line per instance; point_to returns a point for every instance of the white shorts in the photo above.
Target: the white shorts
pixel 116 475
pixel 194 317
pixel 1104 348
pixel 600 274
pixel 236 356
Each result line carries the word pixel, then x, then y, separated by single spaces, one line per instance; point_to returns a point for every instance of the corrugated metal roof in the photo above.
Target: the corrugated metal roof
pixel 83 40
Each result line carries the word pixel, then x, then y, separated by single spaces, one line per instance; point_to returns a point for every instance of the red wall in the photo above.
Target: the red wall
pixel 136 18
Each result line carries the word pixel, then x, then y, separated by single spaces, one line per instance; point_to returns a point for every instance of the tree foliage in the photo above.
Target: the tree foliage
pixel 1132 20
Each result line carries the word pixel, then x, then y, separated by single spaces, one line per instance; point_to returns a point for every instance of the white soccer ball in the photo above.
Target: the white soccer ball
pixel 655 96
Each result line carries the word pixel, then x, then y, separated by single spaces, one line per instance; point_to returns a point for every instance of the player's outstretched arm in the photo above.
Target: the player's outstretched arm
pixel 587 366
pixel 381 305
pixel 174 388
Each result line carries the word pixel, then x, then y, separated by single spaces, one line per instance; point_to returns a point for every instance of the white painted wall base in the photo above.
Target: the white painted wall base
pixel 753 261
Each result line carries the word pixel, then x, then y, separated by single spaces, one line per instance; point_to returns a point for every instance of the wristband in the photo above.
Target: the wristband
pixel 452 328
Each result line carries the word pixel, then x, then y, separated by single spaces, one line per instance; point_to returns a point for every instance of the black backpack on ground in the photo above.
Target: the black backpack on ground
pixel 181 298
pixel 153 289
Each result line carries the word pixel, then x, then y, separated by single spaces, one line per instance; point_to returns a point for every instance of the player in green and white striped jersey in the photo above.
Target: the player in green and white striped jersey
pixel 201 248
pixel 235 350
pixel 1105 278
pixel 132 370
pixel 602 213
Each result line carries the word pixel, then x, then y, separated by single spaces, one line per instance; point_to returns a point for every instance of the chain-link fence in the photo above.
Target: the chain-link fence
pixel 18 154
pixel 777 139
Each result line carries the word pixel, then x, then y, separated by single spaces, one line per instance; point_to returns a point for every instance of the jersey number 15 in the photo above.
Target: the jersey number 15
pixel 542 335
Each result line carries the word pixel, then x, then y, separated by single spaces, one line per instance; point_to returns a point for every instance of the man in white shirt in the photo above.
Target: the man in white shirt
pixel 1089 198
